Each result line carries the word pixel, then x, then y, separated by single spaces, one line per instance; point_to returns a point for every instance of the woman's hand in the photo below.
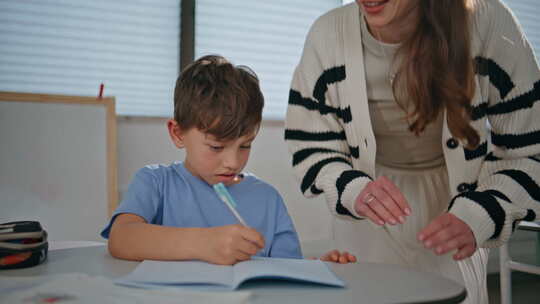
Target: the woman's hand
pixel 338 257
pixel 382 202
pixel 446 233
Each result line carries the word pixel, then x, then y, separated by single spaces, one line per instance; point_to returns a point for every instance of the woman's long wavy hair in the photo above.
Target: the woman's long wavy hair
pixel 437 69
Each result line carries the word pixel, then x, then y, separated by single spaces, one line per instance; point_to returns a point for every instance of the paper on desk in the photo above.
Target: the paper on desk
pixel 82 289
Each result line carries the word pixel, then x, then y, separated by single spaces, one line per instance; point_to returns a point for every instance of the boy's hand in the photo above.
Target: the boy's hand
pixel 228 245
pixel 338 257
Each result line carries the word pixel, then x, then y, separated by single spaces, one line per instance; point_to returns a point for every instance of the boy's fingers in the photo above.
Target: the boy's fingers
pixel 326 256
pixel 241 256
pixel 248 247
pixel 338 257
pixel 332 255
pixel 350 257
pixel 253 236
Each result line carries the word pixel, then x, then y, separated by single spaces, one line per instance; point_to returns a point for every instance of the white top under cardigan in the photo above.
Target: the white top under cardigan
pixel 397 146
pixel 493 186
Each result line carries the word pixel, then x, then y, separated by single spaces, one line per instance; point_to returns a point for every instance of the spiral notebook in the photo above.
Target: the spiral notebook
pixel 203 275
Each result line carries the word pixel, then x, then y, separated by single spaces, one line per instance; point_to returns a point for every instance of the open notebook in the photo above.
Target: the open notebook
pixel 209 276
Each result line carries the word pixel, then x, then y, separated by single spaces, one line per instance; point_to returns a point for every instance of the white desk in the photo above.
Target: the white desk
pixel 366 283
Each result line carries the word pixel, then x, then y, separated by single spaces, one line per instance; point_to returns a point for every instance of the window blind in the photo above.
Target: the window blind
pixel 71 46
pixel 527 13
pixel 267 36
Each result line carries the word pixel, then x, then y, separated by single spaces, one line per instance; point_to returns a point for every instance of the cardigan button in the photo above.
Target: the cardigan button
pixel 462 187
pixel 452 143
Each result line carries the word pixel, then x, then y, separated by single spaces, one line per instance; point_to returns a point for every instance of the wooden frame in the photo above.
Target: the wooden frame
pixel 109 104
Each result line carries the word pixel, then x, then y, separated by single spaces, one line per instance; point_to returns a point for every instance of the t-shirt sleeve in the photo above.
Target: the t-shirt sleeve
pixel 286 243
pixel 143 198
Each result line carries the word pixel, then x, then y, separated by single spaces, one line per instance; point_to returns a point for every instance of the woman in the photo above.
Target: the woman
pixel 418 120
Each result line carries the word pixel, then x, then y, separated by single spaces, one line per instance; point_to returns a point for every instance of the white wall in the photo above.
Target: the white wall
pixel 143 141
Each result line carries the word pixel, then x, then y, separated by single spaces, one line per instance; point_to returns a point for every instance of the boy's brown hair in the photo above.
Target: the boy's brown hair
pixel 218 98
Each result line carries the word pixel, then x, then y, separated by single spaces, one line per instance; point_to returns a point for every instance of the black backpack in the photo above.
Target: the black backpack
pixel 22 244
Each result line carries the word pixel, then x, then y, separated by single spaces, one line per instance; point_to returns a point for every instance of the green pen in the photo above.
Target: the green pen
pixel 226 197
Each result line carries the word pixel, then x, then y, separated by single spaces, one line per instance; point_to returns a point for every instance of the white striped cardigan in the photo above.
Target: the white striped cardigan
pixel 329 133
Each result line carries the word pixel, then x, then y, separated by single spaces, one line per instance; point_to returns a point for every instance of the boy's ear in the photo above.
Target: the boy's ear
pixel 175 132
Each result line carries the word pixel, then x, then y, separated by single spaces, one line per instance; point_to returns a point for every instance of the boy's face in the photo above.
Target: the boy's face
pixel 209 159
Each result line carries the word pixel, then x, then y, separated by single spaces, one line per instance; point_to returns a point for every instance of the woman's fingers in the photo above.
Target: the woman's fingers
pixel 447 233
pixel 389 210
pixel 396 194
pixel 379 206
pixel 382 202
pixel 364 209
pixel 455 243
pixel 385 194
pixel 465 252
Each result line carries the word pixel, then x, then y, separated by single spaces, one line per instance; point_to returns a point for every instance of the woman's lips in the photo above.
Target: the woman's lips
pixel 373 7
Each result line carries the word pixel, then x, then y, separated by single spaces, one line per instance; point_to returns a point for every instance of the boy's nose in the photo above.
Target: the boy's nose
pixel 231 161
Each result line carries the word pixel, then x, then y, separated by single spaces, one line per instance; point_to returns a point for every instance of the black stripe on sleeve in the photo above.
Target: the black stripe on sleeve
pixel 314 136
pixel 479 111
pixel 313 171
pixel 328 77
pixel 497 76
pixel 531 215
pixel 315 190
pixel 355 151
pixel 295 98
pixel 478 152
pixel 301 155
pixel 344 179
pixel 523 101
pixel 491 157
pixel 534 159
pixel 340 209
pixel 492 207
pixel 524 180
pixel 345 114
pixel 516 141
pixel 498 194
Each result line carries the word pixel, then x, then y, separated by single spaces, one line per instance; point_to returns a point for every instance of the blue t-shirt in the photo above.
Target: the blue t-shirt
pixel 172 196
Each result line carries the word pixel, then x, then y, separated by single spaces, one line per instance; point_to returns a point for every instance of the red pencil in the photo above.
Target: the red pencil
pixel 100 95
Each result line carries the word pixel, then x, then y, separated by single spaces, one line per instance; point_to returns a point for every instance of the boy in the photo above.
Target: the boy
pixel 172 212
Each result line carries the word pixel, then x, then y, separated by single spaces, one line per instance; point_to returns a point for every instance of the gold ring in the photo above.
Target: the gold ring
pixel 369 198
